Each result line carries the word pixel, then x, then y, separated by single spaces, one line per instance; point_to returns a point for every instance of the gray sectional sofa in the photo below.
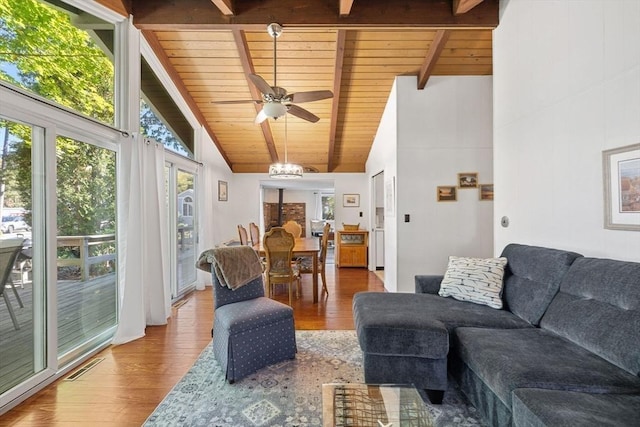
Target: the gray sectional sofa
pixel 563 351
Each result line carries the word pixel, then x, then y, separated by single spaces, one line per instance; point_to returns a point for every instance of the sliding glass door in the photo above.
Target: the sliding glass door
pixel 86 244
pixel 182 206
pixel 58 253
pixel 23 302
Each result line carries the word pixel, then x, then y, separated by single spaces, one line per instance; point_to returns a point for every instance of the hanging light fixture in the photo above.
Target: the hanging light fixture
pixel 285 170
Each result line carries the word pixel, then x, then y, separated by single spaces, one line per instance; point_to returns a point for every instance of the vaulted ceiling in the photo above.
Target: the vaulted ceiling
pixel 354 48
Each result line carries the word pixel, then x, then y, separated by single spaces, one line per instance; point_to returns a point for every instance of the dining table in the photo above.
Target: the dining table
pixel 303 247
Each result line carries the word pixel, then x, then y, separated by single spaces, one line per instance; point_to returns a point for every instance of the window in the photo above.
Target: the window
pixel 187 206
pixel 41 50
pixel 160 117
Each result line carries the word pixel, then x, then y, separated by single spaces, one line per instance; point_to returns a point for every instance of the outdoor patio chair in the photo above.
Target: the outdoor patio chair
pixel 250 331
pixel 9 250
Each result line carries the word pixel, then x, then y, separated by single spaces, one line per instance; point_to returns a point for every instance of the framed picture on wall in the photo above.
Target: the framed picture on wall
pixel 390 197
pixel 222 191
pixel 351 200
pixel 468 180
pixel 486 191
pixel 621 176
pixel 447 193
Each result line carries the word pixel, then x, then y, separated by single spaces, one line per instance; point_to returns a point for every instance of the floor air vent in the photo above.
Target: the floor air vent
pixel 180 303
pixel 77 374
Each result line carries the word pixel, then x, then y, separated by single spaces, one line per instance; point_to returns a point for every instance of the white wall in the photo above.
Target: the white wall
pixel 214 216
pixel 426 137
pixel 443 130
pixel 383 157
pixel 567 87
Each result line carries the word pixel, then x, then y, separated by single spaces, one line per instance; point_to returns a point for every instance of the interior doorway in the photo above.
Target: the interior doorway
pixel 377 231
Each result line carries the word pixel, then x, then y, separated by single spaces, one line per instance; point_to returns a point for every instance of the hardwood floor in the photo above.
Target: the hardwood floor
pixel 132 379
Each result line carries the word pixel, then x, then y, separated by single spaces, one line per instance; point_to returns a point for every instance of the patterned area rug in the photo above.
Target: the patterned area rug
pixel 287 394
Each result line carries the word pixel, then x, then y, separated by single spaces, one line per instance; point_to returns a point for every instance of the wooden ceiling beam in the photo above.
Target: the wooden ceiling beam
pixel 255 14
pixel 335 103
pixel 437 45
pixel 247 67
pixel 155 45
pixel 464 6
pixel 345 7
pixel 225 7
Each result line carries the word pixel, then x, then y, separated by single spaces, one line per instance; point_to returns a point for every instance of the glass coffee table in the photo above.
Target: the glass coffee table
pixel 385 405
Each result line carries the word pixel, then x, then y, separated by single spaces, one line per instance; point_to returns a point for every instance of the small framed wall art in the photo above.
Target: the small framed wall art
pixel 351 200
pixel 486 191
pixel 222 191
pixel 447 193
pixel 621 176
pixel 468 180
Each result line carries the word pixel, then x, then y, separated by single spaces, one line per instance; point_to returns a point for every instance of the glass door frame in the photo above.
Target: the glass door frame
pixel 49 121
pixel 175 163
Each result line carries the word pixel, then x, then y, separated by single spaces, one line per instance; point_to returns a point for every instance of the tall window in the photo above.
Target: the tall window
pixel 160 117
pixel 60 54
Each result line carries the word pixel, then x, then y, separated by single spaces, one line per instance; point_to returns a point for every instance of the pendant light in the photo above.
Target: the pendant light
pixel 285 170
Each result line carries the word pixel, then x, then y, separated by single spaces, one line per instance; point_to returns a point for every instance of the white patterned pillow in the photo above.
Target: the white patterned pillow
pixel 475 280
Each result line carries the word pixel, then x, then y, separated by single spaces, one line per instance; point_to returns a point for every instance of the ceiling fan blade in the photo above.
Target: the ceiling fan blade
pixel 243 101
pixel 313 95
pixel 261 84
pixel 303 114
pixel 261 117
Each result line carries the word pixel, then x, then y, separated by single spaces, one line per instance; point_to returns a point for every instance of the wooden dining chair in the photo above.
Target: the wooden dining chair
pixel 306 263
pixel 278 246
pixel 294 228
pixel 244 238
pixel 254 232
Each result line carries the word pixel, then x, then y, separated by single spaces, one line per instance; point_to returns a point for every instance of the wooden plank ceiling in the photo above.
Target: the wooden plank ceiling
pixel 353 48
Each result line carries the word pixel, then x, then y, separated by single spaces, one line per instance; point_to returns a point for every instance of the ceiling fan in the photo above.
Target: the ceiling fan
pixel 276 100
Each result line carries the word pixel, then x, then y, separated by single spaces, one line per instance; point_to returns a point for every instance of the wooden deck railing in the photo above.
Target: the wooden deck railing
pixel 83 243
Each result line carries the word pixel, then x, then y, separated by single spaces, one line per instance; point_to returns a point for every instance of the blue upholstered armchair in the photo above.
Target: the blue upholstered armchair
pixel 250 331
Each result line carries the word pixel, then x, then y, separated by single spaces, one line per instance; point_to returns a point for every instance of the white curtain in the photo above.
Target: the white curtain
pixel 145 295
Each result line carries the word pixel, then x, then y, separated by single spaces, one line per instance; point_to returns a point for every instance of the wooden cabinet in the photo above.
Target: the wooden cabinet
pixel 351 247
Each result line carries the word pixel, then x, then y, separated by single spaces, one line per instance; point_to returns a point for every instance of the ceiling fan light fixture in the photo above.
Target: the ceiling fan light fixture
pixel 274 109
pixel 285 170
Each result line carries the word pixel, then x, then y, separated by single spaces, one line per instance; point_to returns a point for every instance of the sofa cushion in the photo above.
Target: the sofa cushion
pixel 477 280
pixel 537 408
pixel 532 277
pixel 410 324
pixel 386 326
pixel 598 307
pixel 507 359
pixel 250 314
